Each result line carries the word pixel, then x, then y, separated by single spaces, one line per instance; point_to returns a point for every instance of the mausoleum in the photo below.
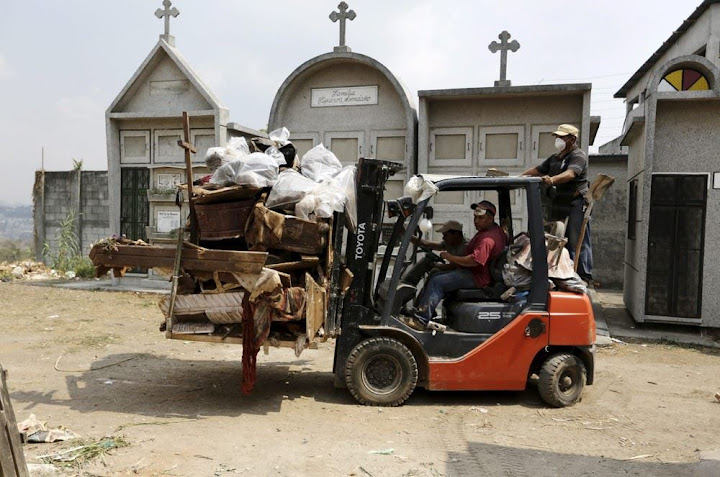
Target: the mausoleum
pixel 144 125
pixel 352 104
pixel 672 271
pixel 468 131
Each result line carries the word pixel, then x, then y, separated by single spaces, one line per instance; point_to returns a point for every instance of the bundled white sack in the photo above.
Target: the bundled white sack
pixel 254 170
pixel 345 181
pixel 290 188
pixel 333 195
pixel 275 153
pixel 240 145
pixel 319 164
pixel 280 136
pixel 419 189
pixel 236 148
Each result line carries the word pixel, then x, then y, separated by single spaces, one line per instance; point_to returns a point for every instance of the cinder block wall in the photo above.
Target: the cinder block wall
pixel 609 222
pixel 57 193
pixel 94 207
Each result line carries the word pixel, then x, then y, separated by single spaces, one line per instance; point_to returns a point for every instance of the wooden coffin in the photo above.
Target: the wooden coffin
pixel 195 258
pixel 220 308
pixel 224 220
pixel 267 229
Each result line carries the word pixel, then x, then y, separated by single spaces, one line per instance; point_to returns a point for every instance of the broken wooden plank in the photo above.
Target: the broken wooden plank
pixel 315 309
pixel 207 195
pixel 152 256
pixel 274 342
pixel 230 280
pixel 12 457
pixel 185 329
pixel 307 262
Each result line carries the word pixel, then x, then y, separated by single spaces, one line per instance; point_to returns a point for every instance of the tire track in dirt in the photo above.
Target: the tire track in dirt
pixel 468 458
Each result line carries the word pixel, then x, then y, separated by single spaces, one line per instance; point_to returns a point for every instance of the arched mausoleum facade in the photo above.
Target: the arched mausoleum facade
pixel 353 105
pixel 672 271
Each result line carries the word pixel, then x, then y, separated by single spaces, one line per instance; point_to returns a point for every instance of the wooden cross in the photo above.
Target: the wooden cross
pixel 167 13
pixel 343 15
pixel 504 46
pixel 189 148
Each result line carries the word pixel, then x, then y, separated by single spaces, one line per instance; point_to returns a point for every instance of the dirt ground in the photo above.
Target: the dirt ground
pixel 179 406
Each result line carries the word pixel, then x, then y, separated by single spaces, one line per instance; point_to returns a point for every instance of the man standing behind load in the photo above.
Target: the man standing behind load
pixel 567 171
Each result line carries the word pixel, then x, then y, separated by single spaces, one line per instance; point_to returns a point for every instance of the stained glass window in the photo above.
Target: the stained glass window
pixel 684 79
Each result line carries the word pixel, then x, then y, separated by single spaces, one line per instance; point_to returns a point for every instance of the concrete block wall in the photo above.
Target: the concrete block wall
pixel 609 226
pixel 57 193
pixel 94 207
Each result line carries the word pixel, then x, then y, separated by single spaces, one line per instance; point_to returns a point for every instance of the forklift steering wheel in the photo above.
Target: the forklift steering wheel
pixel 430 253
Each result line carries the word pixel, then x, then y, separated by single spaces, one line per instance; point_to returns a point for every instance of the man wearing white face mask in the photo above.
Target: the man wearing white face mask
pixel 567 171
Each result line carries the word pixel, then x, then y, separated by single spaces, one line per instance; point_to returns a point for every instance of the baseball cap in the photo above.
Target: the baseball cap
pixel 483 207
pixel 450 225
pixel 566 129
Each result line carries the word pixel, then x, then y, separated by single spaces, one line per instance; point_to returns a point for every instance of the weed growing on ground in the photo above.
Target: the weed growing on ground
pixel 67 255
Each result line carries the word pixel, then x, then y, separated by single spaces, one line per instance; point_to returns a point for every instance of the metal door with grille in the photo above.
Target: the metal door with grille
pixel 134 212
pixel 675 246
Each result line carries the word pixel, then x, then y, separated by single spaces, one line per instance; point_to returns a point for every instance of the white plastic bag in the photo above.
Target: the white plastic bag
pixel 418 189
pixel 215 157
pixel 280 136
pixel 290 188
pixel 275 153
pixel 236 148
pixel 254 170
pixel 240 145
pixel 333 195
pixel 319 164
pixel 345 181
pixel 321 204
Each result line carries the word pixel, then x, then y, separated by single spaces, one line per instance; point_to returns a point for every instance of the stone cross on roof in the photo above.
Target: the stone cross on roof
pixel 167 13
pixel 504 46
pixel 344 15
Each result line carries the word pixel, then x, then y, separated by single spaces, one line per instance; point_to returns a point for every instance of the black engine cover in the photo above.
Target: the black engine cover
pixel 483 317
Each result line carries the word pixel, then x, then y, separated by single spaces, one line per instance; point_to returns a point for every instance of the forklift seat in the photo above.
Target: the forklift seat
pixel 490 293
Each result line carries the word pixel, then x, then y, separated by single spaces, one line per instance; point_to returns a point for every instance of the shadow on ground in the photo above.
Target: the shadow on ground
pixel 160 386
pixel 163 387
pixel 489 459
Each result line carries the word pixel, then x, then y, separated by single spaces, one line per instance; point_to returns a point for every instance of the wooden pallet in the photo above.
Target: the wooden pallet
pixel 12 458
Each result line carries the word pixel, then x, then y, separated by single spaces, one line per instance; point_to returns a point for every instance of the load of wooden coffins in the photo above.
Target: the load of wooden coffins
pixel 258 274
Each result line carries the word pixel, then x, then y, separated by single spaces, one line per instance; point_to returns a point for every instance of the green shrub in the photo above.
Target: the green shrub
pixel 68 253
pixel 83 267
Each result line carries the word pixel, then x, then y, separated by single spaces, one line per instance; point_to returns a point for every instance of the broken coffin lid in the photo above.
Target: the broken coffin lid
pixel 267 230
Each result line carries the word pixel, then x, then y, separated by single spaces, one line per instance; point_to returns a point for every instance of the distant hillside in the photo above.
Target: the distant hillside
pixel 16 222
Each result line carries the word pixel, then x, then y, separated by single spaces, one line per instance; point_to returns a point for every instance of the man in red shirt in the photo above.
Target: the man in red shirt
pixel 471 269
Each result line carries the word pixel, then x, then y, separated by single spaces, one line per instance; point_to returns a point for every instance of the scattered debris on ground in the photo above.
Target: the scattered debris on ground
pixel 85 452
pixel 27 270
pixel 37 431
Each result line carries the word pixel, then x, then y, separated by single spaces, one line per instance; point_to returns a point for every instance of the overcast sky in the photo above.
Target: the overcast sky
pixel 63 62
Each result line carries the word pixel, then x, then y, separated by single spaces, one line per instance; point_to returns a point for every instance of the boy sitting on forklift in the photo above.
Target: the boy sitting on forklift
pixel 473 267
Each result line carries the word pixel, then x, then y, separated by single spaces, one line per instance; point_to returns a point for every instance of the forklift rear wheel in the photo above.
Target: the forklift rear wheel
pixel 562 380
pixel 381 372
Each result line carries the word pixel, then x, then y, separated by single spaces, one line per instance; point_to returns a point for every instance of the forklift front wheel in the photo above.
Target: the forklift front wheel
pixel 562 380
pixel 381 372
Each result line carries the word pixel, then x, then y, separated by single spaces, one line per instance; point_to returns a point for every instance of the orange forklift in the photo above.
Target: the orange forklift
pixel 489 344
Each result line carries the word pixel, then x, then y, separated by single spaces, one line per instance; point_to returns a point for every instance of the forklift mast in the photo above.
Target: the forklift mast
pixel 362 245
pixel 360 251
